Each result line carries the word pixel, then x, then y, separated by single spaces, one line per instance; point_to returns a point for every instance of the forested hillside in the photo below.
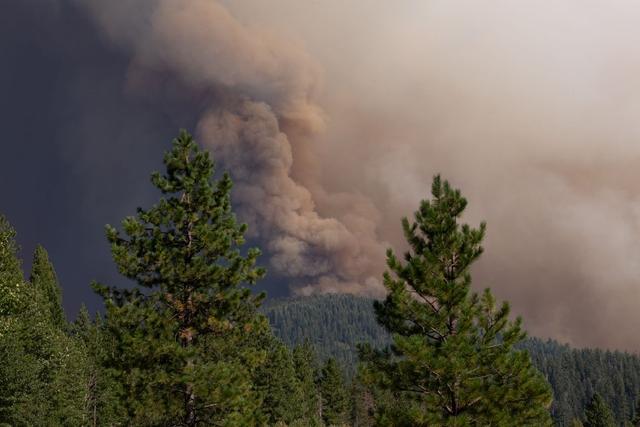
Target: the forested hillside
pixel 335 324
pixel 576 374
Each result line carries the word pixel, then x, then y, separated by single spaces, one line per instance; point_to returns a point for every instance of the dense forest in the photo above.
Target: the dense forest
pixel 190 344
pixel 576 375
pixel 336 323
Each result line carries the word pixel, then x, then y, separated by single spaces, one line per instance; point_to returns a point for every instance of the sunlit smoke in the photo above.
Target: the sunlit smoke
pixel 269 105
pixel 530 107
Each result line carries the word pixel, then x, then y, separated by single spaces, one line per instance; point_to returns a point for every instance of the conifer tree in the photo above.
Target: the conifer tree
pixel 46 287
pixel 60 360
pixel 276 379
pixel 87 334
pixel 305 364
pixel 11 277
pixel 181 333
pixel 362 404
pixel 636 419
pixel 598 413
pixel 335 396
pixel 452 356
pixel 40 365
pixel 101 406
pixel 16 372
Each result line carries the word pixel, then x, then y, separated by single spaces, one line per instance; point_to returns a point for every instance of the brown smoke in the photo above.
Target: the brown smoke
pixel 530 107
pixel 269 105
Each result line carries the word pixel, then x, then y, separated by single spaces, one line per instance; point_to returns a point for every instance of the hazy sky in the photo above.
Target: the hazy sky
pixel 332 117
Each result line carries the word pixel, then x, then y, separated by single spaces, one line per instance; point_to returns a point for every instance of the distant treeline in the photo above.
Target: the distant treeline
pixel 336 323
pixel 333 323
pixel 577 374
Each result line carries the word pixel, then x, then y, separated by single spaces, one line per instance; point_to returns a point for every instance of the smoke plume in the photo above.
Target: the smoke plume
pixel 264 111
pixel 333 116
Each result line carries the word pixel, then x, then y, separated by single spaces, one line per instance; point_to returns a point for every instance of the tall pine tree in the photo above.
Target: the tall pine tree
pixel 181 333
pixel 452 356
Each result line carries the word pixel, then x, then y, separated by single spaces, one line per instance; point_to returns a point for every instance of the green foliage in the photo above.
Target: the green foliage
pixel 11 277
pixel 332 324
pixel 598 414
pixel 335 396
pixel 363 404
pixel 41 366
pixel 41 370
pixel 101 404
pixel 187 346
pixel 574 374
pixel 305 363
pixel 180 336
pixel 47 289
pixel 577 374
pixel 452 356
pixel 278 383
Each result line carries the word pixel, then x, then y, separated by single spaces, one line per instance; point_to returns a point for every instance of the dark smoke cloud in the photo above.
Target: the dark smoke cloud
pixel 333 116
pixel 269 106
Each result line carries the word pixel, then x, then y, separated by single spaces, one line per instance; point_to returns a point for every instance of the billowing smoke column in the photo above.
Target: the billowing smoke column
pixel 262 113
pixel 530 107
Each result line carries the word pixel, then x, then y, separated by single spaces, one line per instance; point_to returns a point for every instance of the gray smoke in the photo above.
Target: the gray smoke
pixel 265 111
pixel 530 107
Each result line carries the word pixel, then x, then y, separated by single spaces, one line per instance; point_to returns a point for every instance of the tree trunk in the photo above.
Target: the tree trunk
pixel 190 406
pixel 189 395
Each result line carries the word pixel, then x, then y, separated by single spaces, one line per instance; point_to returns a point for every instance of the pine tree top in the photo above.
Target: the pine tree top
pixel 452 352
pixel 46 289
pixel 191 237
pixel 184 253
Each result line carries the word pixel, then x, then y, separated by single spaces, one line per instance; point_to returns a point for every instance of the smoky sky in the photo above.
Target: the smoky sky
pixel 332 117
pixel 77 150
